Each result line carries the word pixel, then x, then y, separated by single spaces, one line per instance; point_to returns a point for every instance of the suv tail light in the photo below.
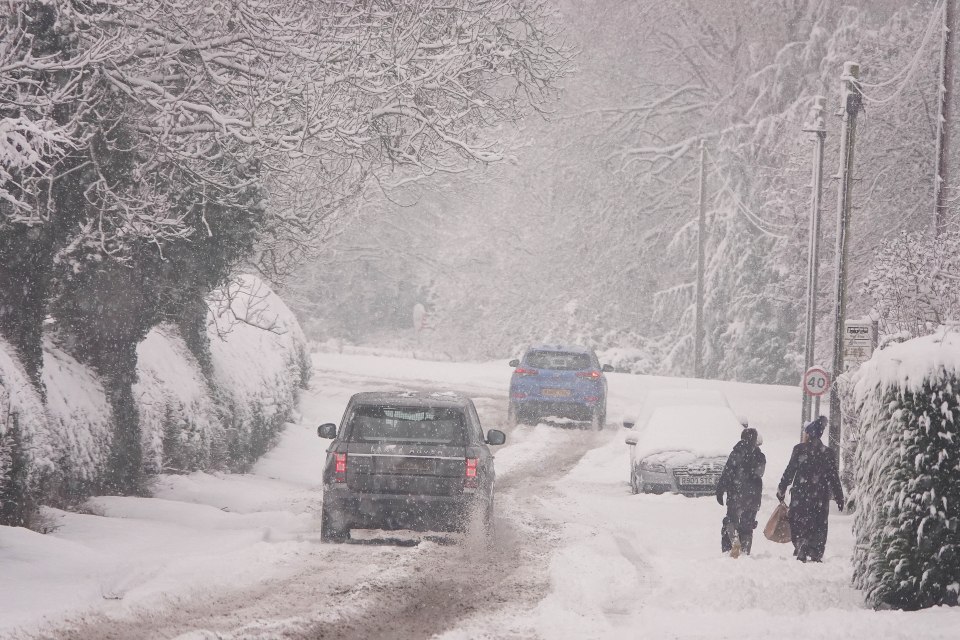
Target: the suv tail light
pixel 593 375
pixel 470 474
pixel 520 371
pixel 340 467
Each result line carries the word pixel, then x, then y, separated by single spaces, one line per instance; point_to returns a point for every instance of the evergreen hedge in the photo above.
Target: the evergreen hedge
pixel 907 554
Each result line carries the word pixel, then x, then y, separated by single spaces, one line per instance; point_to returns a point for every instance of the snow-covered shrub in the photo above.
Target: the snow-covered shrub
pixel 27 456
pixel 79 421
pixel 908 474
pixel 178 418
pixel 641 361
pixel 260 361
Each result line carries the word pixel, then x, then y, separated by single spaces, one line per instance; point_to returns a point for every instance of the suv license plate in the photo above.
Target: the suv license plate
pixel 412 465
pixel 556 393
pixel 698 480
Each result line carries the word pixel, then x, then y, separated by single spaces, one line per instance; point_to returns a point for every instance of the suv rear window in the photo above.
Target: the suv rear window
pixel 426 425
pixel 558 360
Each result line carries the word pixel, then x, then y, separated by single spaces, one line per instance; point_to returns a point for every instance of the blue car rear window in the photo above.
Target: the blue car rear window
pixel 558 360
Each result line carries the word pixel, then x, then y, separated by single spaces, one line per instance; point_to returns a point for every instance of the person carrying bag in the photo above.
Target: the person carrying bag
pixel 815 479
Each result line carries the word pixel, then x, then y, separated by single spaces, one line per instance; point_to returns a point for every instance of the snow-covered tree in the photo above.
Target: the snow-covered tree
pixel 152 148
pixel 913 283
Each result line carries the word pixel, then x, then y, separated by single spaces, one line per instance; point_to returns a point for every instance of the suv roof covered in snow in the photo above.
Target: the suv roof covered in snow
pixel 412 398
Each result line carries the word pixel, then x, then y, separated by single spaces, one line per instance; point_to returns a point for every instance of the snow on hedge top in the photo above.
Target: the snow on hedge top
pixel 703 431
pixel 81 423
pixel 171 387
pixel 255 343
pixel 907 364
pixel 21 404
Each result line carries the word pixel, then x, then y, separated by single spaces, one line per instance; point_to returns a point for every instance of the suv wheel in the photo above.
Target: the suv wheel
pixel 330 530
pixel 599 418
pixel 488 518
pixel 513 416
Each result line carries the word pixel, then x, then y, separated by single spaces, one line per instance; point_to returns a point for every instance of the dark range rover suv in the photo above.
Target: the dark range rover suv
pixel 407 460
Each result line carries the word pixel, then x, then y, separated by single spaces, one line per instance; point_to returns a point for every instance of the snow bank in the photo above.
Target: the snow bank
pixel 178 419
pixel 260 362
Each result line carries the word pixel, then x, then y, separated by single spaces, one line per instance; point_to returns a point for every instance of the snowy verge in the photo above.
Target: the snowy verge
pixel 201 533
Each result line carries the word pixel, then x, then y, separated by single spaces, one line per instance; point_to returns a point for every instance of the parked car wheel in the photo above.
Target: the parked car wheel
pixel 330 530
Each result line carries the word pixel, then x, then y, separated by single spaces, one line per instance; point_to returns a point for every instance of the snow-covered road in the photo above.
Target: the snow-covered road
pixel 575 554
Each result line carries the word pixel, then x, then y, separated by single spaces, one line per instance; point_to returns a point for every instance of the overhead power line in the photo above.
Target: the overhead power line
pixel 765 227
pixel 907 73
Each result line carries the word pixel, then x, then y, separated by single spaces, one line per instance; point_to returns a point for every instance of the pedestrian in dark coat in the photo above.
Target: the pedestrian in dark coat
pixel 742 482
pixel 813 473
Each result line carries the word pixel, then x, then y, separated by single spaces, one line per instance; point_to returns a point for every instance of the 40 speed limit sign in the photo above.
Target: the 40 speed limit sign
pixel 816 381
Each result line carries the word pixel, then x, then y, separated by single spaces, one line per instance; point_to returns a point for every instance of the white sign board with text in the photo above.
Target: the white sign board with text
pixel 859 341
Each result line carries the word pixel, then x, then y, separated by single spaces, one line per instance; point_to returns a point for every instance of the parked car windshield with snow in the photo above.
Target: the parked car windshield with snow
pixel 639 412
pixel 417 461
pixel 682 449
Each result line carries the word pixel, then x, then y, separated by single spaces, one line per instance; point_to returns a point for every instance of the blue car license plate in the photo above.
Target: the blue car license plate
pixel 556 393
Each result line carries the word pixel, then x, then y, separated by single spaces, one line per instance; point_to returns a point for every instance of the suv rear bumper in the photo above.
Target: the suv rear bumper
pixel 571 409
pixel 392 511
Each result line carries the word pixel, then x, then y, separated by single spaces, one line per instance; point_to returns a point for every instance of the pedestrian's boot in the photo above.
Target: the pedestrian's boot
pixel 735 547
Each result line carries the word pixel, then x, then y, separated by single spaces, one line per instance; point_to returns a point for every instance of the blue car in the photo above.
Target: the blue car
pixel 558 381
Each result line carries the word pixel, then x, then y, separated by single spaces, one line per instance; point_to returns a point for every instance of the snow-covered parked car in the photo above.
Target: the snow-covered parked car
pixel 682 449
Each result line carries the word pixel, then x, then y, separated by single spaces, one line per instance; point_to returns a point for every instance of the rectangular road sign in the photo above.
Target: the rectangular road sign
pixel 859 341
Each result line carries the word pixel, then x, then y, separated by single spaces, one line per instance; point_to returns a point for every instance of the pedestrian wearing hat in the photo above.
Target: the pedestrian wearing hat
pixel 742 482
pixel 812 473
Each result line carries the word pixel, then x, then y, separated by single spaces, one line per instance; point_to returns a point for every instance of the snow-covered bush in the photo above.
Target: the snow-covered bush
pixel 908 474
pixel 178 419
pixel 79 421
pixel 58 451
pixel 27 455
pixel 260 361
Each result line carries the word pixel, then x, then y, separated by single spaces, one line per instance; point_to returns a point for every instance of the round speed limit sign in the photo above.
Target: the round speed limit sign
pixel 816 381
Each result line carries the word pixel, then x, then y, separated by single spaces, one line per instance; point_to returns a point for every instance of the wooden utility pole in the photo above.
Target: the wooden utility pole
pixel 851 101
pixel 942 180
pixel 698 330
